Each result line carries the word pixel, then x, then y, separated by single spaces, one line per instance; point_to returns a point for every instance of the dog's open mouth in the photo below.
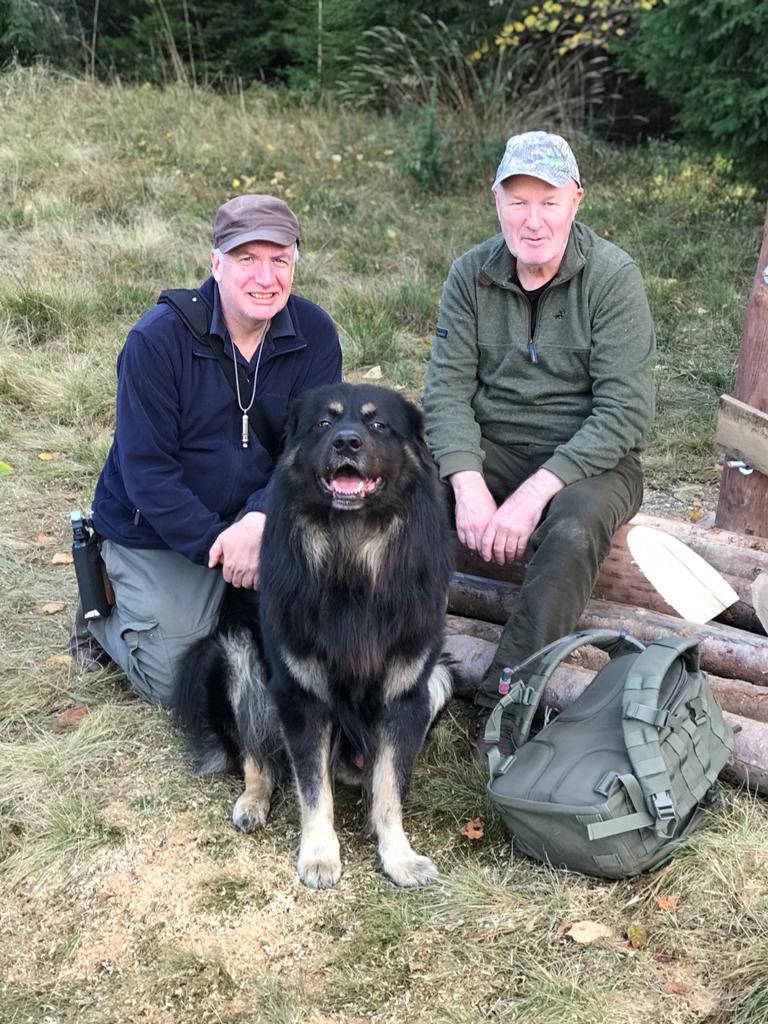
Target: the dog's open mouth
pixel 348 488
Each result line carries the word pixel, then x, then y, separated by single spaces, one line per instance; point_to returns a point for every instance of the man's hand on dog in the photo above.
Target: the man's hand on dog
pixel 237 549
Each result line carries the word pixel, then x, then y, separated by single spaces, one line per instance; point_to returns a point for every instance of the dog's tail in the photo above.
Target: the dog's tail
pixel 221 704
pixel 200 707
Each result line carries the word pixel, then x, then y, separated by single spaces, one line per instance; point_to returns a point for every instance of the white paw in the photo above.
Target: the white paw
pixel 319 872
pixel 410 869
pixel 249 813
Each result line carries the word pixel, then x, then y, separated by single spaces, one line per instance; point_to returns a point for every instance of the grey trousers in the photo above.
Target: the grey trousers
pixel 163 603
pixel 569 544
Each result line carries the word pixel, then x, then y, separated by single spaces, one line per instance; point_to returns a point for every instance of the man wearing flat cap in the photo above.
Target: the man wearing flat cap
pixel 180 500
pixel 538 396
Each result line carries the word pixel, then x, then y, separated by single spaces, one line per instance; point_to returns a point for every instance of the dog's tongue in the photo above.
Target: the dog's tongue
pixel 347 483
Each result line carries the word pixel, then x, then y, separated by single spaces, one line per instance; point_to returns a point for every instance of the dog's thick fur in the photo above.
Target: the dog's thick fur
pixel 341 669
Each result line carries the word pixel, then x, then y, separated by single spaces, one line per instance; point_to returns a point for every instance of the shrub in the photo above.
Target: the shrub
pixel 516 86
pixel 710 58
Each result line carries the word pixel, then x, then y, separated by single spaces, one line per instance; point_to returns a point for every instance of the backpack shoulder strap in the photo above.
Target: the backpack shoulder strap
pixel 524 695
pixel 642 718
pixel 195 312
pixel 192 308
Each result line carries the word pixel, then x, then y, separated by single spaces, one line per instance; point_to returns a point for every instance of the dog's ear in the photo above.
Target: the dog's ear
pixel 418 428
pixel 292 420
pixel 416 422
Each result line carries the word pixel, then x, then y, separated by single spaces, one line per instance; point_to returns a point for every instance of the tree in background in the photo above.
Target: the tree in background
pixel 710 58
pixel 300 43
pixel 35 29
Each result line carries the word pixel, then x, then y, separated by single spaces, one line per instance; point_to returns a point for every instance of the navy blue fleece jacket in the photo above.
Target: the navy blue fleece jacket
pixel 177 474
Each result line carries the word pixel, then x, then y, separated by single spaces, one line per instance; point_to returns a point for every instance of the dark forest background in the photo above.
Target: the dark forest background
pixel 618 69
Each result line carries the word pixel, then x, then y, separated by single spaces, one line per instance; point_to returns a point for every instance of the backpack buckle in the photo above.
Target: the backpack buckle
pixel 498 764
pixel 664 811
pixel 697 710
pixel 606 783
pixel 527 696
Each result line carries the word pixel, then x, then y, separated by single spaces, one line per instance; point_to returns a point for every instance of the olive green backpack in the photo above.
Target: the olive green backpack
pixel 612 784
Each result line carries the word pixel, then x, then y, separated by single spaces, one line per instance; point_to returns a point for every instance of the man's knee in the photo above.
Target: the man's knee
pixel 139 648
pixel 149 666
pixel 163 604
pixel 574 533
pixel 585 515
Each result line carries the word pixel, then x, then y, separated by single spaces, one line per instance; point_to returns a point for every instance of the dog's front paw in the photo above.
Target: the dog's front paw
pixel 410 869
pixel 250 812
pixel 320 867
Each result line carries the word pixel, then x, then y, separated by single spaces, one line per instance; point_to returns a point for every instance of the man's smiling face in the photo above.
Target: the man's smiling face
pixel 254 281
pixel 536 220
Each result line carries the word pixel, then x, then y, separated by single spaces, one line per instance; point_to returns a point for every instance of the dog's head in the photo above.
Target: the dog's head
pixel 354 446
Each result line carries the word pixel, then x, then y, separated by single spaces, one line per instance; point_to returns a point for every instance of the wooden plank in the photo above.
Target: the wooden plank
pixel 743 430
pixel 743 502
pixel 760 598
pixel 687 582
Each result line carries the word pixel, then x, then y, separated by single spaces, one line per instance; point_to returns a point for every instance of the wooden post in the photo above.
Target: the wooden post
pixel 743 502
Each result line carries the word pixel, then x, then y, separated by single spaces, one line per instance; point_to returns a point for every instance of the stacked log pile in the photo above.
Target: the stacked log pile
pixel 734 648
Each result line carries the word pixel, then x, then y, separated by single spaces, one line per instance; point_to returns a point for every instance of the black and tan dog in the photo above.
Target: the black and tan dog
pixel 340 668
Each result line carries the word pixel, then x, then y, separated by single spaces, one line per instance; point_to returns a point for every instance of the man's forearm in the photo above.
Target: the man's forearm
pixel 539 488
pixel 466 482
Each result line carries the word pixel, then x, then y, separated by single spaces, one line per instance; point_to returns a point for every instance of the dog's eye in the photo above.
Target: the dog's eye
pixel 377 425
pixel 324 424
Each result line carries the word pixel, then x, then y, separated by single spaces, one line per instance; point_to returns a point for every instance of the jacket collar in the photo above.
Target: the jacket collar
pixel 499 268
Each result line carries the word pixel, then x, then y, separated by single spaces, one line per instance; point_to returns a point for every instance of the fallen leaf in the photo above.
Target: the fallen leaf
pixel 5 469
pixel 62 558
pixel 668 902
pixel 637 935
pixel 48 456
pixel 584 932
pixel 530 925
pixel 58 659
pixel 44 538
pixel 373 374
pixel 472 829
pixel 72 716
pixel 52 607
pixel 674 988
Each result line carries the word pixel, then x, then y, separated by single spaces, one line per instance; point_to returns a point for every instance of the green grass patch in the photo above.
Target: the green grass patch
pixel 127 894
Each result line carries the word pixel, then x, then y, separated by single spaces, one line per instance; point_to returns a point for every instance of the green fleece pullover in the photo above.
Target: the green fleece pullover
pixel 589 395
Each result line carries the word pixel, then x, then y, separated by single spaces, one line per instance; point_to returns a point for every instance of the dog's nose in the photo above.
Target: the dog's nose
pixel 347 440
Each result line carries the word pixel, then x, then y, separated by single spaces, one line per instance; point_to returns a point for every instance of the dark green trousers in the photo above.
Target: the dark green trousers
pixel 569 544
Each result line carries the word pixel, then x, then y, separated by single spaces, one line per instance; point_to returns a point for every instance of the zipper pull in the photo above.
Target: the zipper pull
pixel 532 353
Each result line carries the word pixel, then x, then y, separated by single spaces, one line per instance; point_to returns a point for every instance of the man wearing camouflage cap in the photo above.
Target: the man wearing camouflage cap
pixel 539 394
pixel 180 500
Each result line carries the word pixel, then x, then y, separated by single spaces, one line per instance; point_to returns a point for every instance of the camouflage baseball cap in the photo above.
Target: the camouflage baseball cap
pixel 540 155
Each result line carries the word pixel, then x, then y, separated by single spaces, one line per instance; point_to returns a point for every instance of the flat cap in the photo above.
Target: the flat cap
pixel 254 218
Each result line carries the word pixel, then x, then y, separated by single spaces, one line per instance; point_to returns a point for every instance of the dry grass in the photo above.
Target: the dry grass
pixel 124 893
